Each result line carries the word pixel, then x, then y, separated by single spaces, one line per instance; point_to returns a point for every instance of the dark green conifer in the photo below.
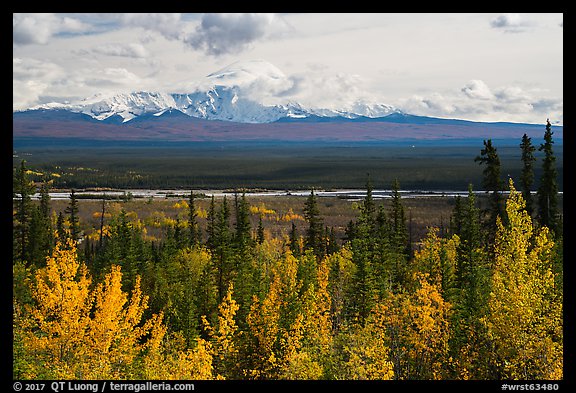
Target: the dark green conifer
pixel 492 184
pixel 222 249
pixel 72 211
pixel 548 190
pixel 23 189
pixel 315 225
pixel 211 224
pixel 242 235
pixel 527 176
pixel 294 241
pixel 195 235
pixel 260 231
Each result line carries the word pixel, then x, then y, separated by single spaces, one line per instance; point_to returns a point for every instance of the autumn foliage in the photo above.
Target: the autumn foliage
pixel 240 306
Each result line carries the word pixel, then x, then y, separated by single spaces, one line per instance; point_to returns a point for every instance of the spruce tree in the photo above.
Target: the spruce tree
pixel 211 224
pixel 398 238
pixel 492 183
pixel 34 247
pixel 382 223
pixel 456 220
pixel 61 232
pixel 527 176
pixel 242 235
pixel 362 293
pixel 41 237
pixel 23 188
pixel 45 211
pixel 294 243
pixel 470 242
pixel 178 237
pixel 399 231
pixel 332 245
pixel 472 285
pixel 260 231
pixel 222 249
pixel 368 207
pixel 548 190
pixel 194 238
pixel 102 213
pixel 72 211
pixel 315 225
pixel 350 231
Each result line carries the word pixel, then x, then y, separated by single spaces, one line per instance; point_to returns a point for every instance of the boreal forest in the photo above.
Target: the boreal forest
pixel 215 296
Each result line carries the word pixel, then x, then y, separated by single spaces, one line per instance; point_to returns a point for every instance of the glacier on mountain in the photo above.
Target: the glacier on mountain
pixel 236 93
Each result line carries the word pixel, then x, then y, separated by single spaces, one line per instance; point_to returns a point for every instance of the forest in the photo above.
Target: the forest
pixel 417 165
pixel 213 296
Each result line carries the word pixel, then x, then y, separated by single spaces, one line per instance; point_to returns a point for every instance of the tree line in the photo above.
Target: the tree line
pixel 481 300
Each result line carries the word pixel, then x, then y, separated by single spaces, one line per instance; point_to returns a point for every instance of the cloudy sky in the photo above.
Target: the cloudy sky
pixel 489 67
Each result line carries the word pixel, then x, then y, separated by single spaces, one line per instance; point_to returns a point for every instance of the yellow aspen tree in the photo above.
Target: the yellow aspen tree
pixel 195 363
pixel 308 342
pixel 224 337
pixel 290 285
pixel 320 322
pixel 429 330
pixel 366 352
pixel 263 324
pixel 115 335
pixel 74 332
pixel 155 365
pixel 56 329
pixel 267 255
pixel 524 320
pixel 297 362
pixel 313 329
pixel 296 345
pixel 417 331
pixel 271 318
pixel 437 258
pixel 167 357
pixel 341 276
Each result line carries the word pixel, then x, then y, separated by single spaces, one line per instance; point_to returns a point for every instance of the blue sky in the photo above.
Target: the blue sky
pixel 489 67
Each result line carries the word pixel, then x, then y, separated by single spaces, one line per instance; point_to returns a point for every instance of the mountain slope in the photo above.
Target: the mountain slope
pixel 235 93
pixel 173 125
pixel 231 104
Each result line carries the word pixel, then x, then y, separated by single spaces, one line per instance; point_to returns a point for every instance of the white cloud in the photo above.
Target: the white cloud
pixel 26 93
pixel 512 94
pixel 37 82
pixel 220 34
pixel 108 77
pixel 27 68
pixel 433 104
pixel 510 23
pixel 437 64
pixel 40 28
pixel 169 25
pixel 31 79
pixel 479 102
pixel 329 90
pixel 134 50
pixel 477 89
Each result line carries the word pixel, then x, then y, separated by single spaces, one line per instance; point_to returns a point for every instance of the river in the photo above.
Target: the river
pixel 183 194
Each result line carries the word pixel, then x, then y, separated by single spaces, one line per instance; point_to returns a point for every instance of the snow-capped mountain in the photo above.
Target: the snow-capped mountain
pixel 127 106
pixel 239 93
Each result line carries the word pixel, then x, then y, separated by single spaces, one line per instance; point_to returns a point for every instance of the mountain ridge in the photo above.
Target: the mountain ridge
pixel 217 103
pixel 229 104
pixel 173 125
pixel 235 93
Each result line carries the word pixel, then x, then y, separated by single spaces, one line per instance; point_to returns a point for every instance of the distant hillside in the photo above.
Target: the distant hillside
pixel 173 125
